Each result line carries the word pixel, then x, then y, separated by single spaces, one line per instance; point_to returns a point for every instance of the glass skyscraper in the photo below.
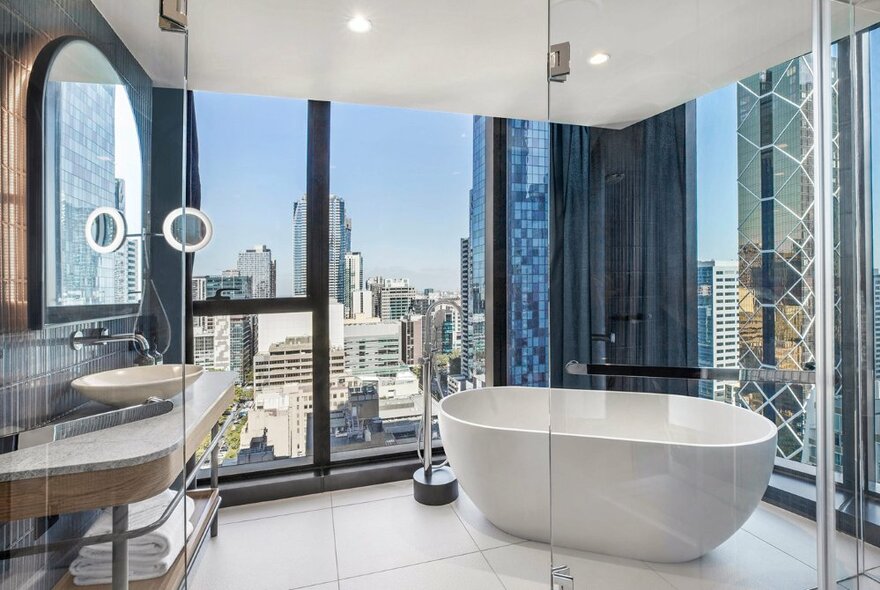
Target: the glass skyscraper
pixel 528 165
pixel 473 358
pixel 528 162
pixel 225 342
pixel 776 252
pixel 257 264
pixel 717 323
pixel 340 244
pixel 83 116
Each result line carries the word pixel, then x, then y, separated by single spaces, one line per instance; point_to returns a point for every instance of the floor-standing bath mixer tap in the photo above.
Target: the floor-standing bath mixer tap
pixel 432 484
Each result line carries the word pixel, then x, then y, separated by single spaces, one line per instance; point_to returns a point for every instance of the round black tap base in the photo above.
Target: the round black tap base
pixel 436 489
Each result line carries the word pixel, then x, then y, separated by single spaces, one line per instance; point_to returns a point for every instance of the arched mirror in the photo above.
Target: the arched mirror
pixel 86 182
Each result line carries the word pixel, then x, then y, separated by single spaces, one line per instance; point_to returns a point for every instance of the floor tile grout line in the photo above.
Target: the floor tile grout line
pixel 491 567
pixel 276 515
pixel 504 544
pixel 368 501
pixel 316 585
pixel 331 506
pixel 762 540
pixel 335 548
pixel 661 576
pixel 477 545
pixel 400 567
pixel 780 549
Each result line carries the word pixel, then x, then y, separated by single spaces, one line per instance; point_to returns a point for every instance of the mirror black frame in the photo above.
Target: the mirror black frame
pixel 39 314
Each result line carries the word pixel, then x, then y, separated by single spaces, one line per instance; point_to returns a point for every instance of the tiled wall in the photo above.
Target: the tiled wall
pixel 36 367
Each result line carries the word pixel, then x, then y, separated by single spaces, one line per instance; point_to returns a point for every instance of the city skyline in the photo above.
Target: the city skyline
pixel 253 156
pixel 270 133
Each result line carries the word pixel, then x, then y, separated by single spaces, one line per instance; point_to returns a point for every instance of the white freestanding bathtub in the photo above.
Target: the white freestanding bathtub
pixel 661 478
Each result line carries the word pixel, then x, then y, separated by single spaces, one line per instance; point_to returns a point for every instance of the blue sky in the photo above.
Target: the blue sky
pixel 404 175
pixel 717 209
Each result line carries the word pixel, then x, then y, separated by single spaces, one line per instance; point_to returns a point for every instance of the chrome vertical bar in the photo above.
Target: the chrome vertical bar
pixel 426 413
pixel 824 285
pixel 215 476
pixel 120 548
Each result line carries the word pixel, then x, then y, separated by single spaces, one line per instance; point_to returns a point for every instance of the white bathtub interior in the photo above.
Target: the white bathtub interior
pixel 650 417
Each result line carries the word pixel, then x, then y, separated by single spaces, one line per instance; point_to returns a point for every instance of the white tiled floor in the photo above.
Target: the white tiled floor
pixel 379 538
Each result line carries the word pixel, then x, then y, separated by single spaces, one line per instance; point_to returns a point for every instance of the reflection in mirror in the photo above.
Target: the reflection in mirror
pixel 105 230
pixel 188 229
pixel 93 180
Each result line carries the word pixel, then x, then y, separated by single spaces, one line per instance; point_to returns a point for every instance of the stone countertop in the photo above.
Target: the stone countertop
pixel 127 445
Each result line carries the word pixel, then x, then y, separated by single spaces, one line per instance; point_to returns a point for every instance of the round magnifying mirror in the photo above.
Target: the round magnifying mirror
pixel 188 229
pixel 105 230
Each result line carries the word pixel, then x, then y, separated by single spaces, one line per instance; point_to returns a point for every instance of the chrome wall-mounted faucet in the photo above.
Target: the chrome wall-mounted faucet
pixel 102 336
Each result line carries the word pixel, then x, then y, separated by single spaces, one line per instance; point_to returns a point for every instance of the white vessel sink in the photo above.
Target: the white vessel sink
pixel 131 386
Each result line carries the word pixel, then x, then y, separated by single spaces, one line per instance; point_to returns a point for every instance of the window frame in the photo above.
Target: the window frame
pixel 316 300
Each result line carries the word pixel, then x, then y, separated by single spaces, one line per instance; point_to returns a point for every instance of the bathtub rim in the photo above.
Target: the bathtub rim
pixel 772 434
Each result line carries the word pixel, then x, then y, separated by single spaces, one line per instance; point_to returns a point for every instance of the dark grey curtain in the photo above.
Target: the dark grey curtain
pixel 569 245
pixel 623 263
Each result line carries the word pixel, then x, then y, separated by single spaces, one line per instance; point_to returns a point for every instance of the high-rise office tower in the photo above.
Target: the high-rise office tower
pixel 346 235
pixel 392 298
pixel 876 324
pixel 448 333
pixel 84 150
pixel 224 342
pixel 527 191
pixel 373 348
pixel 528 235
pixel 474 356
pixel 354 280
pixel 340 243
pixel 362 304
pixel 411 343
pixel 776 194
pixel 127 272
pixel 465 269
pixel 300 252
pixel 257 264
pixel 717 322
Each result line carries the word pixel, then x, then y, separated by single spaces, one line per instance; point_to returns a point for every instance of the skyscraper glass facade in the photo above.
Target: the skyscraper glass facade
pixel 474 356
pixel 528 162
pixel 717 322
pixel 85 159
pixel 776 252
pixel 257 264
pixel 340 243
pixel 300 250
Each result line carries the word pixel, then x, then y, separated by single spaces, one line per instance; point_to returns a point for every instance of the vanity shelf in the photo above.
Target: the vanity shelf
pixel 122 465
pixel 207 502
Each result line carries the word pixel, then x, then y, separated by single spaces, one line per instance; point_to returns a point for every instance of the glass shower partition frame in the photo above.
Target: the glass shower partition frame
pixel 753 120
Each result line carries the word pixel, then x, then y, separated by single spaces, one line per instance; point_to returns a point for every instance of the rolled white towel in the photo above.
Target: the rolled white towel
pixel 149 555
pixel 91 573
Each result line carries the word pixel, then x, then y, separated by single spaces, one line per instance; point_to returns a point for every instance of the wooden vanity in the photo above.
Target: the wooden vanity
pixel 122 465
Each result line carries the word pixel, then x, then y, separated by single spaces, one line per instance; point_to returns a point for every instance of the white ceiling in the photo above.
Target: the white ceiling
pixel 477 56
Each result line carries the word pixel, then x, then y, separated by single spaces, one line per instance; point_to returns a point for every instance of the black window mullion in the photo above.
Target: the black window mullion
pixel 495 207
pixel 318 272
pixel 251 306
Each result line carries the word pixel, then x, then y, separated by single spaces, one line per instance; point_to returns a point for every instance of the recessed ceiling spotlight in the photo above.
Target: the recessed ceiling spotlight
pixel 359 24
pixel 599 59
